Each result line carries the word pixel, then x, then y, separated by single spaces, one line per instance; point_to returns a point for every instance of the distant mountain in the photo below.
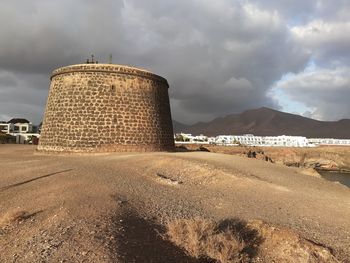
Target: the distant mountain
pixel 179 127
pixel 265 122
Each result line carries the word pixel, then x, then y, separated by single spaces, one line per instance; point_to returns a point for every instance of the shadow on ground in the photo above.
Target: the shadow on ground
pixel 33 179
pixel 140 240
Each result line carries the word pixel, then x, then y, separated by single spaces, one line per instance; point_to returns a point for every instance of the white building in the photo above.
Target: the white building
pixel 224 139
pixel 189 138
pixel 16 125
pixel 22 129
pixel 26 138
pixel 251 140
pixel 277 141
pixel 330 141
pixel 287 141
pixel 6 127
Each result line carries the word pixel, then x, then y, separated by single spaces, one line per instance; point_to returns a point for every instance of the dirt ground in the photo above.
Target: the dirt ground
pixel 111 208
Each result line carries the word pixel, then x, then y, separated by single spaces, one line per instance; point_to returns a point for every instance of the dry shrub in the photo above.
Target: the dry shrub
pixel 201 238
pixel 13 216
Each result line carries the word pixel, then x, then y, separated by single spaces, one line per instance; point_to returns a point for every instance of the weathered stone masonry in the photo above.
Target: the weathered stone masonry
pixel 106 108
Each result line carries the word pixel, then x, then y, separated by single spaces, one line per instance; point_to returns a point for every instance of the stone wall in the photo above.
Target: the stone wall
pixel 105 108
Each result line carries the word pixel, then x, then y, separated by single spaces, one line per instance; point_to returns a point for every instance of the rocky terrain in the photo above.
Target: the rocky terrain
pixel 320 158
pixel 118 208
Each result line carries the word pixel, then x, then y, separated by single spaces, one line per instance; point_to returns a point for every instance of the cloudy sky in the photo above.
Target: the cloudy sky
pixel 220 57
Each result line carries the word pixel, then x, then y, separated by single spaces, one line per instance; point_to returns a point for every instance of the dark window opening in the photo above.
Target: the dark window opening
pixel 113 88
pixel 115 120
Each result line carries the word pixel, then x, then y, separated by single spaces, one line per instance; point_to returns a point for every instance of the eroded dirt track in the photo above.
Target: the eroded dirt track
pixel 76 205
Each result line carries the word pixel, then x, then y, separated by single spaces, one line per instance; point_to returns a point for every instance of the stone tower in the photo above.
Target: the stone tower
pixel 106 108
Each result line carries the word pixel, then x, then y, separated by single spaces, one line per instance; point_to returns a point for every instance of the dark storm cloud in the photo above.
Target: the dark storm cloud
pixel 218 56
pixel 46 34
pixel 22 94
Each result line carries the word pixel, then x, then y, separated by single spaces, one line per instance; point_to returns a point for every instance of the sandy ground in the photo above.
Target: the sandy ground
pixel 100 208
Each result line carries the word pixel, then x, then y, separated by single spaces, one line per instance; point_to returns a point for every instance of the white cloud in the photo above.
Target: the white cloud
pixel 325 91
pixel 328 41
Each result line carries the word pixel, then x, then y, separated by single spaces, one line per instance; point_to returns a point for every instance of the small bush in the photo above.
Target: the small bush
pixel 201 238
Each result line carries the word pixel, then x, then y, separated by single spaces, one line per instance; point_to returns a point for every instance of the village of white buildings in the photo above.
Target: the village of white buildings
pixel 251 140
pixel 24 132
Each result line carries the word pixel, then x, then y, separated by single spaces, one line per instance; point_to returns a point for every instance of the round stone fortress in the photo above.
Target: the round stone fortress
pixel 106 108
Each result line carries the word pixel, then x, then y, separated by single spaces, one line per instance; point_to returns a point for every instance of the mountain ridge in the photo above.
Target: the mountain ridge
pixel 268 122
